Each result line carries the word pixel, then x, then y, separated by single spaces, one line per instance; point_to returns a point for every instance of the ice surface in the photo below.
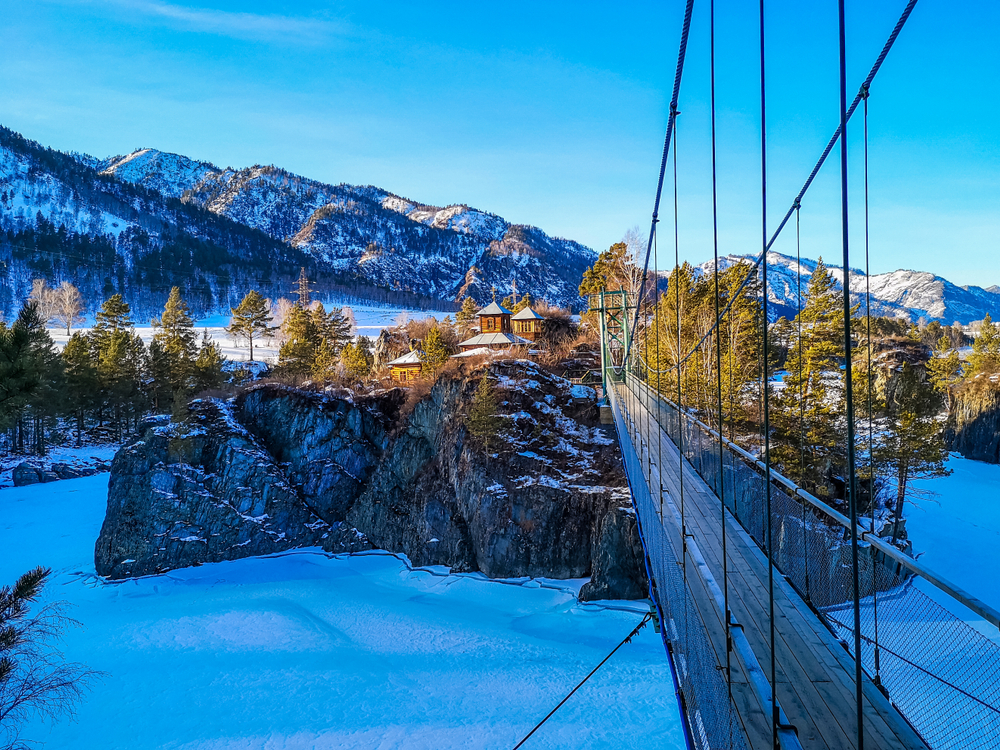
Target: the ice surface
pixel 304 650
pixel 956 531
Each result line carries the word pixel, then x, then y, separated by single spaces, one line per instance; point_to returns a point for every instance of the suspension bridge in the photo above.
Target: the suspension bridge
pixel 789 623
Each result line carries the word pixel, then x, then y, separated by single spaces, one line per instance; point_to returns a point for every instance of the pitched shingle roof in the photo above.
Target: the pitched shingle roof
pixel 494 309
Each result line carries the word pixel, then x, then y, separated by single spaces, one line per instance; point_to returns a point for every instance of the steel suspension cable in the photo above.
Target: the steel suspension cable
pixel 802 402
pixel 659 415
pixel 764 384
pixel 718 365
pixel 871 410
pixel 671 123
pixel 680 394
pixel 852 494
pixel 812 175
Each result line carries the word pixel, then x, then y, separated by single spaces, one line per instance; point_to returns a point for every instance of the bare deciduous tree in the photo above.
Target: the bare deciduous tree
pixel 68 306
pixel 45 296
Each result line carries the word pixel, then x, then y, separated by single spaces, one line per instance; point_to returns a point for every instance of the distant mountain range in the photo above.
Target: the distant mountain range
pixel 141 223
pixel 902 294
pixel 147 209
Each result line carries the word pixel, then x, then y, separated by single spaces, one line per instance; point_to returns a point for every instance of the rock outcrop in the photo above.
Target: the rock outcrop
pixel 974 422
pixel 279 468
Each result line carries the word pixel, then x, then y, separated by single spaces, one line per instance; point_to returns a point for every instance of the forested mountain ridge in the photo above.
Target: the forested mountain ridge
pixel 372 234
pixel 902 294
pixel 61 220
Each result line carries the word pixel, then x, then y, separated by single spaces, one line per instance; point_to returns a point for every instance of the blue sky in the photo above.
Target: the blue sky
pixel 546 113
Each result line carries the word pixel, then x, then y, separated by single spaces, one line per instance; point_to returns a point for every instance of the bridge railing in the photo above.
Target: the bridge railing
pixel 709 711
pixel 932 648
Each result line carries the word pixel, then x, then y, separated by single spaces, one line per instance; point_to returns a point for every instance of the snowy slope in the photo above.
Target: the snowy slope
pixel 306 651
pixel 368 232
pixel 904 294
pixel 168 174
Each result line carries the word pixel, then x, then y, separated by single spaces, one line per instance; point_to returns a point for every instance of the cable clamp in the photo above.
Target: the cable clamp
pixel 864 92
pixel 674 111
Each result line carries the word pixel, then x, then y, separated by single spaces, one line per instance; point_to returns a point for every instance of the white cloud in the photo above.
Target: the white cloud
pixel 239 25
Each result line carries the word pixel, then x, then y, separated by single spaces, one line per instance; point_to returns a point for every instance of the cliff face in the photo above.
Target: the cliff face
pixel 279 468
pixel 974 422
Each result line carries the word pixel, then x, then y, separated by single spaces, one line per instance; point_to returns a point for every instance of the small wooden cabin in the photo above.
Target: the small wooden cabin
pixel 406 368
pixel 527 324
pixel 494 318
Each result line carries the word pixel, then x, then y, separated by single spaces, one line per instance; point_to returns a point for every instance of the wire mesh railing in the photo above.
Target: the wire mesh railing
pixel 919 641
pixel 711 717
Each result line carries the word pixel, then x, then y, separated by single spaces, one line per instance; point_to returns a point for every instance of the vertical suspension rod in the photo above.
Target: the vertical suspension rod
pixel 848 376
pixel 718 361
pixel 764 383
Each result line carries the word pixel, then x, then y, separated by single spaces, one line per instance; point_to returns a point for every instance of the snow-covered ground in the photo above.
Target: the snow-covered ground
pixel 84 457
pixel 310 651
pixel 370 322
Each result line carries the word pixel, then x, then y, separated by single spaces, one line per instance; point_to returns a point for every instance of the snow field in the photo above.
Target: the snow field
pixel 370 322
pixel 304 650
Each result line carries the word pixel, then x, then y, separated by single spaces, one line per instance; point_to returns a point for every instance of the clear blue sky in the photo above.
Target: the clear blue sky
pixel 547 113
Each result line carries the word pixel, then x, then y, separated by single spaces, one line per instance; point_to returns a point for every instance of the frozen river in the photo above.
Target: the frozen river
pixel 308 651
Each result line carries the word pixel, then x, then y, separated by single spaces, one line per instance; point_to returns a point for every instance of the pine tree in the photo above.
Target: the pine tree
pixel 913 445
pixel 302 340
pixel 208 367
pixel 435 352
pixel 357 359
pixel 30 375
pixel 483 422
pixel 114 315
pixel 251 319
pixel 176 337
pixel 807 440
pixel 82 384
pixel 945 369
pixel 326 361
pixel 466 317
pixel 985 356
pixel 121 361
pixel 332 326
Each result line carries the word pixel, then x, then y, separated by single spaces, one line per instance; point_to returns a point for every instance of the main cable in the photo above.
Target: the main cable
pixel 671 122
pixel 822 159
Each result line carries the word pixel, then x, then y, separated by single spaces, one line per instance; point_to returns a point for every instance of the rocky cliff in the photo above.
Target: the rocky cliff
pixel 974 422
pixel 278 468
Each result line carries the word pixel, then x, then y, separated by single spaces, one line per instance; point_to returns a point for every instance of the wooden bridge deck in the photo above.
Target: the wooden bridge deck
pixel 815 673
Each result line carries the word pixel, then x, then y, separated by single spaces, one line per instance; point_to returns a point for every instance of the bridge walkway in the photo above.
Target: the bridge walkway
pixel 815 673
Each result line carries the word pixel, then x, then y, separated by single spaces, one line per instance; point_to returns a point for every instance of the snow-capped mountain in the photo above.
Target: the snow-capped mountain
pixel 62 220
pixel 373 234
pixel 903 294
pixel 169 174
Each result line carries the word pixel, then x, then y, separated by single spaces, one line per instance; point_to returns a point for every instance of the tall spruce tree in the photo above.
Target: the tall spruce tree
pixel 985 355
pixel 483 422
pixel 466 316
pixel 176 338
pixel 435 351
pixel 82 383
pixel 302 340
pixel 912 446
pixel 945 369
pixel 807 440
